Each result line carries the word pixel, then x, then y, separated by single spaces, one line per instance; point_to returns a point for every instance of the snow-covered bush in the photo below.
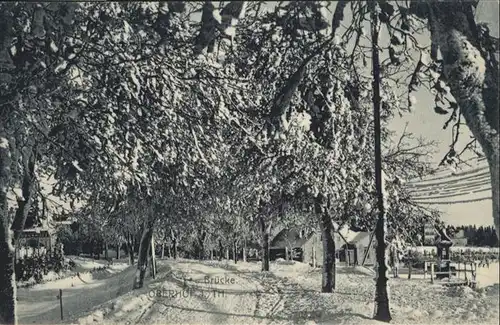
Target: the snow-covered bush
pixel 39 264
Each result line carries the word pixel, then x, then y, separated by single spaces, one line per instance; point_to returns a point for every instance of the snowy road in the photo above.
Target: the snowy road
pixel 184 292
pixel 209 292
pixel 198 293
pixel 40 304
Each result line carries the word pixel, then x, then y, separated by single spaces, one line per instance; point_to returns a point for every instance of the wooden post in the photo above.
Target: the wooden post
pixel 425 269
pixel 474 283
pixel 465 271
pixel 60 303
pixel 409 270
pixel 432 273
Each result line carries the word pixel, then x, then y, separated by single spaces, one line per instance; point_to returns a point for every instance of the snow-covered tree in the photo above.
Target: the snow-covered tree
pixel 466 76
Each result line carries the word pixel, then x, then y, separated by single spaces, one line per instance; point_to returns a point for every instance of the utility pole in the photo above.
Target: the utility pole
pixel 382 312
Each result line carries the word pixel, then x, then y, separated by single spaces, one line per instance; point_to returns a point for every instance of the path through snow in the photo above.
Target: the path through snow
pixel 289 294
pixel 40 303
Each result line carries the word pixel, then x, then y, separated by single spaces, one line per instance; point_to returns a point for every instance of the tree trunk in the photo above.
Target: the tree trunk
pixel 106 255
pixel 266 230
pixel 201 245
pixel 221 250
pixel 118 248
pixel 328 281
pixel 142 259
pixel 313 253
pixel 7 253
pixel 235 252
pixel 244 253
pixel 24 204
pixel 173 236
pixel 329 266
pixel 163 250
pixel 174 247
pixel 169 251
pixel 472 75
pixel 126 246
pixel 227 253
pixel 211 254
pixel 382 312
pixel 494 163
pixel 130 249
pixel 153 257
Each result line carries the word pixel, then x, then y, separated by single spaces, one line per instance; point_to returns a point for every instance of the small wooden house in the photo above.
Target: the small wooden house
pixel 34 238
pixel 357 246
pixel 300 246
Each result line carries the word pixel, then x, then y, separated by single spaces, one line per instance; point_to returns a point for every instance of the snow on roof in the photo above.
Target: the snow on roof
pixel 289 237
pixel 359 236
pixel 348 234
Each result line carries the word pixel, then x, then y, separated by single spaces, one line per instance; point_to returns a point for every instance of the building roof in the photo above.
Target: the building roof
pixel 290 238
pixel 350 235
pixel 359 236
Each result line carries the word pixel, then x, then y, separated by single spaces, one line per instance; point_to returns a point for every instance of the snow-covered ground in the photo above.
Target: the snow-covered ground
pixel 488 276
pixel 288 294
pixel 39 303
